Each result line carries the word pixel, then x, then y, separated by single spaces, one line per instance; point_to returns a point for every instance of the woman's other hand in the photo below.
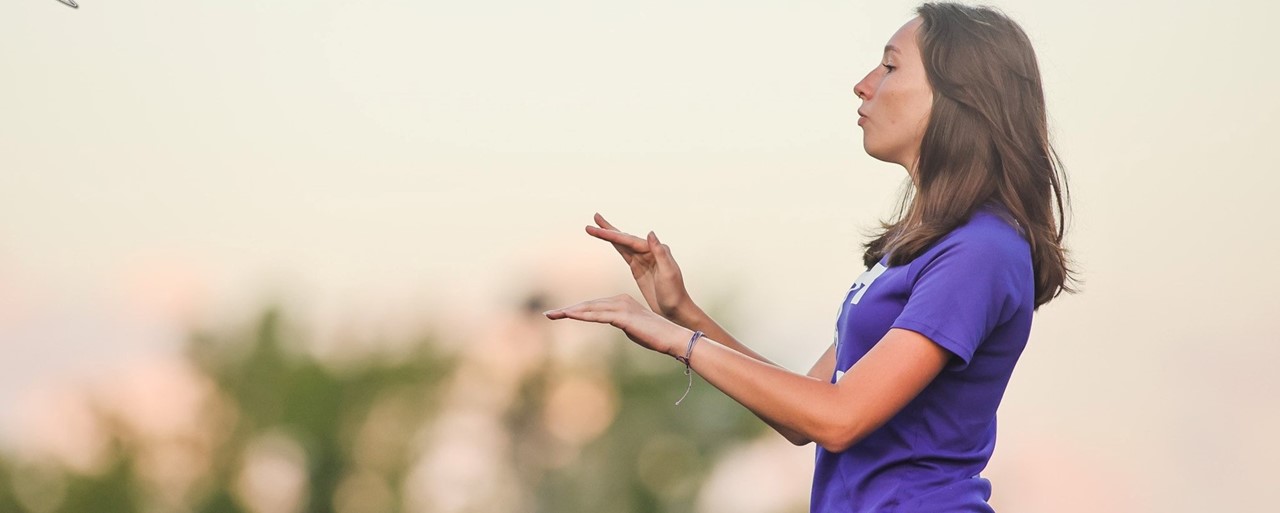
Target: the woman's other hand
pixel 622 311
pixel 652 266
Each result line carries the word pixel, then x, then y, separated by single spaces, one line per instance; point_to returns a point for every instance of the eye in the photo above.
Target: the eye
pixel 889 68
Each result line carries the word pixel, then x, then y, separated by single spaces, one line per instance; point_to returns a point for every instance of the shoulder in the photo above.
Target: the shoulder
pixel 986 246
pixel 987 234
pixel 995 232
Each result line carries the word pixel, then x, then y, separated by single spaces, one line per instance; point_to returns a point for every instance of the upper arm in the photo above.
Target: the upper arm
pixel 883 381
pixel 967 289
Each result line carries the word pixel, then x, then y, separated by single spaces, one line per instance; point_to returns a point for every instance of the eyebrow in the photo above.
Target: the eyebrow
pixel 890 48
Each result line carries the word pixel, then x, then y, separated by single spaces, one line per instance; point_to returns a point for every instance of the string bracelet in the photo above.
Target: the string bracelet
pixel 685 360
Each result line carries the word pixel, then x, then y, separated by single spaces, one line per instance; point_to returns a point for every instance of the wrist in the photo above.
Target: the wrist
pixel 688 315
pixel 680 342
pixel 686 359
pixel 684 354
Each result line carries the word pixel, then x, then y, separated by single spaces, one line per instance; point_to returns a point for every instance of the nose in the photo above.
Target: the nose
pixel 863 88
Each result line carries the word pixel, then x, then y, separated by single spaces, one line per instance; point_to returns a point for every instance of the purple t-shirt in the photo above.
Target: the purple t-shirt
pixel 972 293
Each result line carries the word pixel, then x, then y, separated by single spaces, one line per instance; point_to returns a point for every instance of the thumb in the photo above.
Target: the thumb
pixel 658 248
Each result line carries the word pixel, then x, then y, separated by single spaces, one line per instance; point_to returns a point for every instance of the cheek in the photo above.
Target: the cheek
pixel 904 116
pixel 907 115
pixel 921 103
pixel 900 111
pixel 909 106
pixel 923 106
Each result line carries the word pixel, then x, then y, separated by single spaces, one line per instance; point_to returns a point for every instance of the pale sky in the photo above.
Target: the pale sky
pixel 177 161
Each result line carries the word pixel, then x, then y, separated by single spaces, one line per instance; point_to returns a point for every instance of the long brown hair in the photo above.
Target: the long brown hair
pixel 987 140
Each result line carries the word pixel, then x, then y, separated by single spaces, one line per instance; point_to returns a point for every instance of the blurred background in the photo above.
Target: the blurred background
pixel 290 256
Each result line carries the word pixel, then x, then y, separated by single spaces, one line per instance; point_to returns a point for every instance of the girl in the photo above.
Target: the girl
pixel 902 406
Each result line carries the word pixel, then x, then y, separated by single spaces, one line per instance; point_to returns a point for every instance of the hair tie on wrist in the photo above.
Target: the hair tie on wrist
pixel 685 359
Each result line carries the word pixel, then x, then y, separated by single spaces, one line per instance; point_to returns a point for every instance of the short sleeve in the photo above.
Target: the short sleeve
pixel 961 294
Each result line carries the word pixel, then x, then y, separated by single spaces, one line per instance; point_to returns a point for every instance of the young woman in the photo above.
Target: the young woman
pixel 903 405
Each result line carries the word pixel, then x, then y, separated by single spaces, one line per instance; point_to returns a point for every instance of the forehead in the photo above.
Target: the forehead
pixel 904 40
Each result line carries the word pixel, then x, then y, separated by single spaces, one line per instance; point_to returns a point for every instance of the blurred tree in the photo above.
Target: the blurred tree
pixel 652 456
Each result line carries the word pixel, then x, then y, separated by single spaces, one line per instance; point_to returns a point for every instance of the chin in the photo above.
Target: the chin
pixel 874 152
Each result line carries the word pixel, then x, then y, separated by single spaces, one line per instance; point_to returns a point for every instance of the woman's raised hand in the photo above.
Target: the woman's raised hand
pixel 652 266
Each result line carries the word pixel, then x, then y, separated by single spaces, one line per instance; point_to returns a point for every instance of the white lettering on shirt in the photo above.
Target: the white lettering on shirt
pixel 860 285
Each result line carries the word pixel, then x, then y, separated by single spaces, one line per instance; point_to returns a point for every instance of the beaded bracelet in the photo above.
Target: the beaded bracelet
pixel 685 360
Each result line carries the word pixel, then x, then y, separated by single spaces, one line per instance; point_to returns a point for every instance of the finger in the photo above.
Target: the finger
pixel 600 220
pixel 581 315
pixel 660 248
pixel 604 224
pixel 666 264
pixel 655 245
pixel 626 251
pixel 590 304
pixel 623 240
pixel 599 310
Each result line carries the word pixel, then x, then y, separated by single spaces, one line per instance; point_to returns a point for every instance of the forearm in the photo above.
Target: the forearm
pixel 800 407
pixel 695 319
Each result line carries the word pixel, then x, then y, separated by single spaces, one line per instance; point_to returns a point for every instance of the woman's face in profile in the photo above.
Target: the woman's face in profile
pixel 896 100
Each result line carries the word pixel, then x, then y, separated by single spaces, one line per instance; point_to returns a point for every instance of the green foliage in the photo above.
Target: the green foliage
pixel 653 456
